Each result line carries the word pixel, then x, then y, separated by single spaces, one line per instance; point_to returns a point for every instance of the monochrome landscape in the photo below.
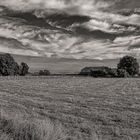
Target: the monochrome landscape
pixel 69 70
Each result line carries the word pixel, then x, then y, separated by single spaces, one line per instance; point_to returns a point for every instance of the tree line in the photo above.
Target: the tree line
pixel 8 66
pixel 128 66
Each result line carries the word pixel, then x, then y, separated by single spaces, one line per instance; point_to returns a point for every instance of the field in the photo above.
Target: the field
pixel 70 108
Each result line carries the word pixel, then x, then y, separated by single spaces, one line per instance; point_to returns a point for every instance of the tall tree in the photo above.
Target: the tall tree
pixel 129 64
pixel 8 66
pixel 24 68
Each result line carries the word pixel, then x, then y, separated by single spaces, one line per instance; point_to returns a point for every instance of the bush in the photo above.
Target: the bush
pixel 113 72
pixel 99 73
pixel 122 73
pixel 24 68
pixel 129 64
pixel 44 72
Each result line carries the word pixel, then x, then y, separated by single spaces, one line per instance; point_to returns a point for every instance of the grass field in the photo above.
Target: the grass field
pixel 69 108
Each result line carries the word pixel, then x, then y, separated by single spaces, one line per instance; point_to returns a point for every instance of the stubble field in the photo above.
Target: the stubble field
pixel 70 108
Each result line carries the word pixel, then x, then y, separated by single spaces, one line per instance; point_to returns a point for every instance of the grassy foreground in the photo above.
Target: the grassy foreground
pixel 69 108
pixel 25 128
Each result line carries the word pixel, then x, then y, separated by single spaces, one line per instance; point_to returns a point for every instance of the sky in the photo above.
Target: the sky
pixel 78 29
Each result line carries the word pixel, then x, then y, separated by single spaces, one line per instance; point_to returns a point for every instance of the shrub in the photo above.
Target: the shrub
pixel 122 73
pixel 99 73
pixel 44 72
pixel 129 64
pixel 113 72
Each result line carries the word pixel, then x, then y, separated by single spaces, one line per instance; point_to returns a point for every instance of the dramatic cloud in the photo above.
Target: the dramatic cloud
pixel 80 29
pixel 55 4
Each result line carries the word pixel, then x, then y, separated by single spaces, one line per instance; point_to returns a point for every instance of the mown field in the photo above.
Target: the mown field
pixel 69 108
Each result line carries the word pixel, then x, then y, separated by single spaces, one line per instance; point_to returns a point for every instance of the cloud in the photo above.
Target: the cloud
pixel 105 35
pixel 91 8
pixel 78 5
pixel 98 25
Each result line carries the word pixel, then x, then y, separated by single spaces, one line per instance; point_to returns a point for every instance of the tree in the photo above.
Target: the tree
pixel 24 68
pixel 121 73
pixel 8 66
pixel 129 64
